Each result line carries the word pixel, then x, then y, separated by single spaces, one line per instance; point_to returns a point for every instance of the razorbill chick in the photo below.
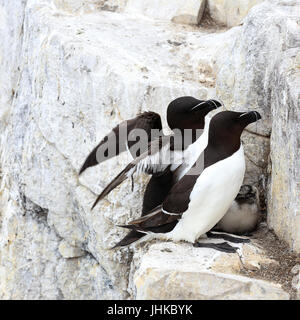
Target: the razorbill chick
pixel 243 215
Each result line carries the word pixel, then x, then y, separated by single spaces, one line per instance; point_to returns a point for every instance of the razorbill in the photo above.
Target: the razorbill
pixel 197 202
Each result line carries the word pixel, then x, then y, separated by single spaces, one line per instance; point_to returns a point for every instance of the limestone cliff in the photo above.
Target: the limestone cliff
pixel 69 72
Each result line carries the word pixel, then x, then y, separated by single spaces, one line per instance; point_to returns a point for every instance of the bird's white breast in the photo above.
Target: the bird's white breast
pixel 212 195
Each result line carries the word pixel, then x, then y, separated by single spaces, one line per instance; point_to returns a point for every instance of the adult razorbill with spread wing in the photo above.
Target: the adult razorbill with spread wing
pixel 165 156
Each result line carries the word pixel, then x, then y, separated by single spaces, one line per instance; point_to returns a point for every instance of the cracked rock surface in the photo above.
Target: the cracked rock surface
pixel 171 271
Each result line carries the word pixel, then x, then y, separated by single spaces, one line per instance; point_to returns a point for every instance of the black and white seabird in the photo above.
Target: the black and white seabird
pixel 161 181
pixel 164 156
pixel 197 202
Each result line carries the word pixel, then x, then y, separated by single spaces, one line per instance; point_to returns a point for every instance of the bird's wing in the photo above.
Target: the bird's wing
pixel 156 221
pixel 158 158
pixel 164 218
pixel 178 199
pixel 118 139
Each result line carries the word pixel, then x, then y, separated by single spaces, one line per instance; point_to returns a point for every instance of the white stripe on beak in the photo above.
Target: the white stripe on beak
pixel 243 114
pixel 213 103
pixel 197 105
pixel 222 103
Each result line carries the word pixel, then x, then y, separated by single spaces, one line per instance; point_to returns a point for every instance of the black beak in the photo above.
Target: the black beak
pixel 249 117
pixel 215 103
pixel 255 116
pixel 212 104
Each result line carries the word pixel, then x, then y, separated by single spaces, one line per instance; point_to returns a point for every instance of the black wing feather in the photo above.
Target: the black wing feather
pixel 146 121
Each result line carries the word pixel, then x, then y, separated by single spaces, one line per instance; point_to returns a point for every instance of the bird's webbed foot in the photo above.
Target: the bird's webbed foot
pixel 227 237
pixel 223 247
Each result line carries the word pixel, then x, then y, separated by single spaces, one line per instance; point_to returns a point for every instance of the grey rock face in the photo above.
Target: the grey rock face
pixel 230 12
pixel 284 187
pixel 244 80
pixel 187 12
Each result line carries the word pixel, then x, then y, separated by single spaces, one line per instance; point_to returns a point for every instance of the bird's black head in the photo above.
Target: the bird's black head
pixel 224 136
pixel 189 113
pixel 226 127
